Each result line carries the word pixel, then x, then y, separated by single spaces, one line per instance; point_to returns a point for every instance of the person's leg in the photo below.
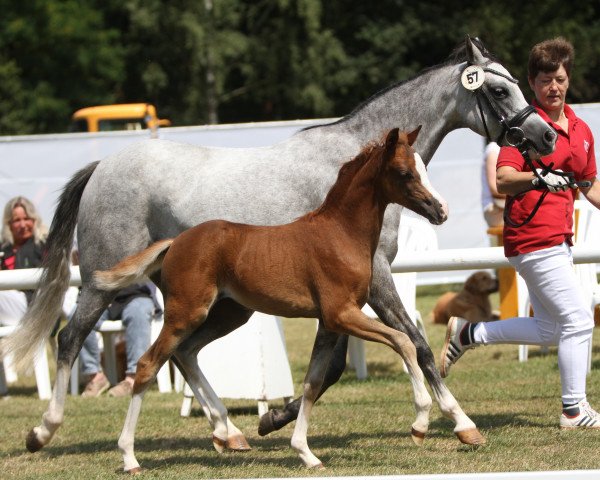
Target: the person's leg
pixel 13 305
pixel 562 317
pixel 137 318
pixel 90 368
pixel 542 329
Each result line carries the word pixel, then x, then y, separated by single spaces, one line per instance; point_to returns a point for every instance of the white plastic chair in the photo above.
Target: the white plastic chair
pixel 523 310
pixel 109 334
pixel 415 235
pixel 249 363
pixel 40 368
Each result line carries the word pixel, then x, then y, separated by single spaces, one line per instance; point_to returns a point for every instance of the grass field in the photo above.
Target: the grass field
pixel 358 427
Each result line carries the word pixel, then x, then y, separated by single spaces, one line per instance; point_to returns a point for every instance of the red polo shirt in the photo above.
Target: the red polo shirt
pixel 553 222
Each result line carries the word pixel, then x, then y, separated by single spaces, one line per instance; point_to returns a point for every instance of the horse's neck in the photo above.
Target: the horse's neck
pixel 429 100
pixel 357 208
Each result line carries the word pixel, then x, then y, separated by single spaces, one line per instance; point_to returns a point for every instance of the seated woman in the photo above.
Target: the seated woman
pixel 23 244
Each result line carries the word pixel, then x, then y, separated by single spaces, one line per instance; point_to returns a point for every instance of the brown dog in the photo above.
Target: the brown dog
pixel 471 303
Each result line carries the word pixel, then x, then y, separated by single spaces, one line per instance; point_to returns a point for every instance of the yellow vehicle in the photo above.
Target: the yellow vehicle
pixel 126 116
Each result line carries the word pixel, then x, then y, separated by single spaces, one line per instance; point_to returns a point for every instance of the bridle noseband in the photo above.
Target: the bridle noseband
pixel 511 130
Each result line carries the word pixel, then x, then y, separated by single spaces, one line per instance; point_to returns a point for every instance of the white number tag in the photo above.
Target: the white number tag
pixel 472 77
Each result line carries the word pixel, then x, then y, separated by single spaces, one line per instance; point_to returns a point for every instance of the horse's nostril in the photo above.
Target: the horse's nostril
pixel 549 136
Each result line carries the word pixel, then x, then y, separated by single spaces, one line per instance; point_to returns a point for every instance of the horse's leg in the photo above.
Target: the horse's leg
pixel 224 317
pixel 319 361
pixel 70 339
pixel 276 418
pixel 385 301
pixel 181 319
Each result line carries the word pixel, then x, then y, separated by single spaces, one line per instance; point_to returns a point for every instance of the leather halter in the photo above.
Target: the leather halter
pixel 511 130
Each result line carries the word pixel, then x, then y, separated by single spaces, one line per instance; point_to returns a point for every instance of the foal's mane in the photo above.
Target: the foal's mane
pixel 371 157
pixel 457 56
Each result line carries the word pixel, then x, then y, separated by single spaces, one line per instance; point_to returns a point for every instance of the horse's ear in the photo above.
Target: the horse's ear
pixel 474 55
pixel 412 136
pixel 391 140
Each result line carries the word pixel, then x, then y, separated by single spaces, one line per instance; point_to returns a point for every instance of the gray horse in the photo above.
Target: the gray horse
pixel 157 189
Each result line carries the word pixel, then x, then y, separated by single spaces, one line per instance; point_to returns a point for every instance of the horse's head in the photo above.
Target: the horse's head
pixel 401 181
pixel 503 114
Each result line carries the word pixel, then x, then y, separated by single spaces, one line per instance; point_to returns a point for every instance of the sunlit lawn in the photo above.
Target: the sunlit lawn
pixel 358 427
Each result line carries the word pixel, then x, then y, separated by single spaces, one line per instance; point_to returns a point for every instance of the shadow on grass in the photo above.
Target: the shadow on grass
pixel 439 426
pixel 185 450
pixel 20 391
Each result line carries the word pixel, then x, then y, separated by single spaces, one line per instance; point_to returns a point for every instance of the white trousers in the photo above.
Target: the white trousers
pixel 562 316
pixel 13 305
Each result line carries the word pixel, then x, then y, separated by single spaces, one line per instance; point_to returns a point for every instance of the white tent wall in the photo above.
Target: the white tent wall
pixel 38 166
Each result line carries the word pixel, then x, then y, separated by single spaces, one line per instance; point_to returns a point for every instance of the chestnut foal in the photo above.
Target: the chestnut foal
pixel 318 266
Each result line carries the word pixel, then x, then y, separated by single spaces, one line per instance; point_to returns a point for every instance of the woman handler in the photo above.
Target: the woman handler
pixel 540 250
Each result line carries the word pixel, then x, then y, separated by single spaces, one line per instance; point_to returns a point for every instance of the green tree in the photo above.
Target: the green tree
pixel 58 56
pixel 209 61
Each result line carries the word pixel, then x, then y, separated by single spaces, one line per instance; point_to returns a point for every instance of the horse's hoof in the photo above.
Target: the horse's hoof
pixel 472 436
pixel 417 437
pixel 266 424
pixel 318 466
pixel 219 444
pixel 238 443
pixel 32 443
pixel 134 471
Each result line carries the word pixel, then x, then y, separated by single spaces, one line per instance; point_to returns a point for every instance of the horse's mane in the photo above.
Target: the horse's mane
pixel 371 156
pixel 457 56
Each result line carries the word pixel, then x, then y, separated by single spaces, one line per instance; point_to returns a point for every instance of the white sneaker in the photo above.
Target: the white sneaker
pixel 453 347
pixel 587 418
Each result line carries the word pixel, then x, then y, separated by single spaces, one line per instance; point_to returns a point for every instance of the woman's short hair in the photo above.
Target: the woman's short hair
pixel 40 231
pixel 549 55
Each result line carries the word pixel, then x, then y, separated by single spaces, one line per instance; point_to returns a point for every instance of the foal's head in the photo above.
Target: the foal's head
pixel 400 179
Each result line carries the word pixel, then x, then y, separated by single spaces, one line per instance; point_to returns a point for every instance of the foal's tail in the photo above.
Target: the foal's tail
pixel 46 307
pixel 134 267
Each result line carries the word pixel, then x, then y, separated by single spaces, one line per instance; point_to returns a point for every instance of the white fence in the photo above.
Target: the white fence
pixel 430 261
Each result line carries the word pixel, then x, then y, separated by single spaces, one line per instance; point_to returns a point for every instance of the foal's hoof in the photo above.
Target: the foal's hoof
pixel 134 471
pixel 32 443
pixel 318 466
pixel 219 444
pixel 237 443
pixel 472 436
pixel 266 424
pixel 417 437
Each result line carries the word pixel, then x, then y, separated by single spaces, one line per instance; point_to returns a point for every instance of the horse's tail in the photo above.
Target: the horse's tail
pixel 46 306
pixel 134 267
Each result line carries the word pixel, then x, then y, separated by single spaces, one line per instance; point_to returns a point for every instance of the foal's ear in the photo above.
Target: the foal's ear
pixel 412 136
pixel 474 55
pixel 391 140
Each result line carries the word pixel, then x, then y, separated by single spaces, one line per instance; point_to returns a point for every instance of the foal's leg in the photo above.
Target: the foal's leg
pixel 224 317
pixel 181 319
pixel 90 305
pixel 320 357
pixel 353 321
pixel 276 418
pixel 384 299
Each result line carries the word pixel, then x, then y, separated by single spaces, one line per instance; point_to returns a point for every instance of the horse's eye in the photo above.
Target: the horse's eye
pixel 500 92
pixel 405 174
